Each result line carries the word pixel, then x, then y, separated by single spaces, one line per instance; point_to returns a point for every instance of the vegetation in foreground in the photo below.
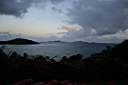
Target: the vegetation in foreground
pixel 109 65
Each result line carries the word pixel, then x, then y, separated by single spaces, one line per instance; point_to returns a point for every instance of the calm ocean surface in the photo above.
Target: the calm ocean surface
pixel 57 49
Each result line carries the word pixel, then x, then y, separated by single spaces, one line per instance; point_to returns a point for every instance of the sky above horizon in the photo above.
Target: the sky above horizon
pixel 104 21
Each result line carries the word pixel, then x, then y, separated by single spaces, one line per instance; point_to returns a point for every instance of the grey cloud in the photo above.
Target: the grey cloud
pixel 14 7
pixel 56 1
pixel 100 39
pixel 19 7
pixel 105 16
pixel 57 9
pixel 7 35
pixel 76 34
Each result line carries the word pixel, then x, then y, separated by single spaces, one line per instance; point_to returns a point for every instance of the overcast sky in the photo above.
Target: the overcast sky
pixel 67 20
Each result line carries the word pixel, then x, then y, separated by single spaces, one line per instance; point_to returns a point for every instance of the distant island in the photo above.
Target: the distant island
pixel 18 41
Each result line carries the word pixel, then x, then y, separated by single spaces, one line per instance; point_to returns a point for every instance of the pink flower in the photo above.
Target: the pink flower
pixel 24 82
pixel 111 83
pixel 97 82
pixel 53 82
pixel 66 82
pixel 39 83
pixel 84 84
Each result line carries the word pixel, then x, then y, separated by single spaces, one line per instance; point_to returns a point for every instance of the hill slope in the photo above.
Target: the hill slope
pixel 18 41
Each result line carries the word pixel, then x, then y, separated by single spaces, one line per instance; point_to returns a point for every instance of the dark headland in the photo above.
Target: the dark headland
pixel 18 41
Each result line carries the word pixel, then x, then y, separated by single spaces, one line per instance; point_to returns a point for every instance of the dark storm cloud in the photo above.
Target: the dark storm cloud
pixel 57 9
pixel 14 7
pixel 56 1
pixel 19 7
pixel 104 16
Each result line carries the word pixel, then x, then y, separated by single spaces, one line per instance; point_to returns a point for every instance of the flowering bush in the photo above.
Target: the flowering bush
pixel 52 82
pixel 24 82
pixel 111 64
pixel 66 82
